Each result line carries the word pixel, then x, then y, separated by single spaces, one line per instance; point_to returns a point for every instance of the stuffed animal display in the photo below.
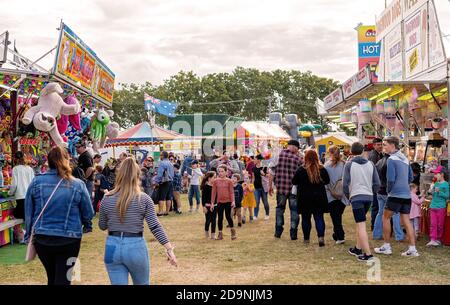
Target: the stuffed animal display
pixel 74 119
pixel 50 105
pixel 44 115
pixel 102 127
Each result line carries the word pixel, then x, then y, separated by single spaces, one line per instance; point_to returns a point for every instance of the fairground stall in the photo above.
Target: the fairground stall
pixel 40 108
pixel 143 140
pixel 410 97
pixel 260 138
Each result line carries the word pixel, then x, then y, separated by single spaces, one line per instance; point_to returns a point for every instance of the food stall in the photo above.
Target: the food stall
pixel 410 97
pixel 260 137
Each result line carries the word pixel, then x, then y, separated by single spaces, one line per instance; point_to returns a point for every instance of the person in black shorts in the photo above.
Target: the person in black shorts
pixel 360 182
pixel 164 179
pixel 399 176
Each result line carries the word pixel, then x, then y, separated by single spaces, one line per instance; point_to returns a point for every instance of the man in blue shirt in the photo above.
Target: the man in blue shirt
pixel 399 176
pixel 164 181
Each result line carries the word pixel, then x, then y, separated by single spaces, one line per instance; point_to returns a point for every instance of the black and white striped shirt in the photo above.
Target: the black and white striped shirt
pixel 134 218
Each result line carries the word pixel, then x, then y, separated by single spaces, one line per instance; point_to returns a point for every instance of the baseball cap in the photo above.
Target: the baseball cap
pixel 439 170
pixel 80 144
pixel 294 143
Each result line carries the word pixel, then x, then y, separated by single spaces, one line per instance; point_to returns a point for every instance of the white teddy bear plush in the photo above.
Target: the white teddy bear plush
pixel 50 105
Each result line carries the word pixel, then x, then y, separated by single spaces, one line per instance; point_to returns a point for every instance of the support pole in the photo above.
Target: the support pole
pixel 448 124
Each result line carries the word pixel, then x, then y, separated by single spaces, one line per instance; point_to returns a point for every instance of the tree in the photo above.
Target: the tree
pixel 245 93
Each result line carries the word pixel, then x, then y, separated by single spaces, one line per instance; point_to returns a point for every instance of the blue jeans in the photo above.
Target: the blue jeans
pixel 127 255
pixel 194 190
pixel 281 207
pixel 260 194
pixel 306 225
pixel 90 188
pixel 378 226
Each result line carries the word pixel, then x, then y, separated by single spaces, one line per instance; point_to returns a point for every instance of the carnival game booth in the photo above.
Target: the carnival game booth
pixel 260 137
pixel 410 97
pixel 41 108
pixel 143 139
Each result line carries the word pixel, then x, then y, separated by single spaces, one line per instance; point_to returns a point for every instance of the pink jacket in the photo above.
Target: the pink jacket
pixel 416 203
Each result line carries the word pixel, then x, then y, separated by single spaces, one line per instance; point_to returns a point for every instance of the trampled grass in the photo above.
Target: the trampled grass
pixel 256 257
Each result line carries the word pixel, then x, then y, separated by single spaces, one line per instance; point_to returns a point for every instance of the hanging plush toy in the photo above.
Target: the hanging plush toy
pixel 86 120
pixel 74 119
pixel 50 106
pixel 99 122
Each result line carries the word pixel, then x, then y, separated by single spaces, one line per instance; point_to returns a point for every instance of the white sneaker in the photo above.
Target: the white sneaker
pixel 266 217
pixel 383 250
pixel 411 253
pixel 433 243
pixel 254 218
pixel 340 242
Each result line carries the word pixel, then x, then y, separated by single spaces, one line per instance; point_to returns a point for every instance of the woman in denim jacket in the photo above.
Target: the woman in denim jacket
pixel 58 232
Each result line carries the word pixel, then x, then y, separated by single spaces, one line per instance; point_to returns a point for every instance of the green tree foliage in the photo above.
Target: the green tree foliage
pixel 250 90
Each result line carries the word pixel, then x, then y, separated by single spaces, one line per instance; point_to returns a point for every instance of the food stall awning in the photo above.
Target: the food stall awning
pixel 265 131
pixel 384 90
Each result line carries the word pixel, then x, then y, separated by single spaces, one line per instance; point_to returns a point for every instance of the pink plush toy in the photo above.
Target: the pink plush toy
pixel 50 106
pixel 74 119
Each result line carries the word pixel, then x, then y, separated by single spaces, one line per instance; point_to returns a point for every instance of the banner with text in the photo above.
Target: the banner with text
pixel 368 49
pixel 78 64
pixel 411 42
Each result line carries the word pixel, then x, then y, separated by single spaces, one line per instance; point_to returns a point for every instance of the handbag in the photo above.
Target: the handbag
pixel 337 190
pixel 31 250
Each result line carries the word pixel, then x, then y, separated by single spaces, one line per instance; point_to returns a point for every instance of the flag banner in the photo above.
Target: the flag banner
pixel 160 106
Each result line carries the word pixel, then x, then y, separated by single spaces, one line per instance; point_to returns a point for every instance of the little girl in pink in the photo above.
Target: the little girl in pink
pixel 416 203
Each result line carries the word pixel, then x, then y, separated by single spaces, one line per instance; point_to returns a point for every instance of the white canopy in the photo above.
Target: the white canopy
pixel 266 131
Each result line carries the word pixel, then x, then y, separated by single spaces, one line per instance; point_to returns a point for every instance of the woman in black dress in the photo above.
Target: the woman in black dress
pixel 310 180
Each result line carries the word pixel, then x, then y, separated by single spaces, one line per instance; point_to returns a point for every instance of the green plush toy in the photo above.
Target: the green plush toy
pixel 99 122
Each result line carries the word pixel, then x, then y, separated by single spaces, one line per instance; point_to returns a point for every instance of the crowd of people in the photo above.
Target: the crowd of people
pixel 125 193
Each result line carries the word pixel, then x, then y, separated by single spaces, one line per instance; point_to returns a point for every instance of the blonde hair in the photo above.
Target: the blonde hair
pixel 127 185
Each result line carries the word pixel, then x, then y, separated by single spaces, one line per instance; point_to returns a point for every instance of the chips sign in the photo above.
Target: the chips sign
pixel 78 64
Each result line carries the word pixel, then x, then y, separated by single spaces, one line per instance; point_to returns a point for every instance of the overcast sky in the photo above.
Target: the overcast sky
pixel 150 40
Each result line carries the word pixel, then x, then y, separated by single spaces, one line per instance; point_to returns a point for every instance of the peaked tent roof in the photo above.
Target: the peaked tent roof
pixel 144 134
pixel 338 135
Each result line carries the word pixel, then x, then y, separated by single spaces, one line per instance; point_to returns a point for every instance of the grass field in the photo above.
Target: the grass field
pixel 256 257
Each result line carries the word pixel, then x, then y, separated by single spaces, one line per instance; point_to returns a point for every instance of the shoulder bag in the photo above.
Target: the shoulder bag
pixel 31 251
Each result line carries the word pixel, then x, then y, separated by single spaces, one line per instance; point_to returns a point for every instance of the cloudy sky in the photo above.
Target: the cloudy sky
pixel 150 40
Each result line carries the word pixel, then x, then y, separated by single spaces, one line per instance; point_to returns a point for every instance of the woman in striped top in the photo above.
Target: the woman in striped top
pixel 123 212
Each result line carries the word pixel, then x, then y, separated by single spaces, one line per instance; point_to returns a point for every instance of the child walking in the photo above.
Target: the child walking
pixel 238 195
pixel 195 185
pixel 438 206
pixel 223 189
pixel 249 201
pixel 176 184
pixel 416 203
pixel 209 206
